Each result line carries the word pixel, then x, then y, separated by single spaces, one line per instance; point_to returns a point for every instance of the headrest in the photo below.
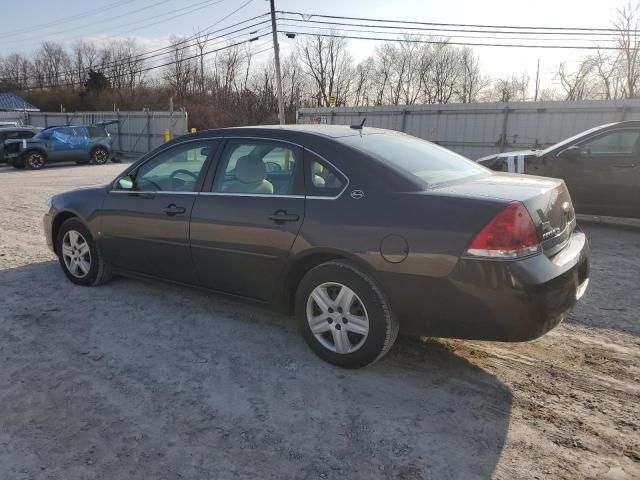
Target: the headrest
pixel 250 169
pixel 318 169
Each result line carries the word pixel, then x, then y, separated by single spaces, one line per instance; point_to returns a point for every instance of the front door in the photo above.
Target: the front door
pixel 604 176
pixel 145 228
pixel 244 226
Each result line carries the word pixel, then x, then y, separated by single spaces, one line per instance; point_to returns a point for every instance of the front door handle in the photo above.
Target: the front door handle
pixel 282 216
pixel 173 209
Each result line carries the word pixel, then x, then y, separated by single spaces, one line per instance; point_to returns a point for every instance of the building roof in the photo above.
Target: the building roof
pixel 11 102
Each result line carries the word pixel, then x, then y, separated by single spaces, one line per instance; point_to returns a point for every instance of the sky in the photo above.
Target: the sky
pixel 135 18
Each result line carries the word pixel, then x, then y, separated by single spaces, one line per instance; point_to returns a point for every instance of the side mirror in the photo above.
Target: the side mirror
pixel 573 152
pixel 125 183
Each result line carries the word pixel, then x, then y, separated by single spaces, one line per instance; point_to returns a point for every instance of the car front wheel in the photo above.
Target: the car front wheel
pixel 79 257
pixel 34 160
pixel 344 317
pixel 99 156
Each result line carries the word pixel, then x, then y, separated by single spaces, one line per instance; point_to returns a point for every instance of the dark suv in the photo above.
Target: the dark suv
pixel 14 133
pixel 73 143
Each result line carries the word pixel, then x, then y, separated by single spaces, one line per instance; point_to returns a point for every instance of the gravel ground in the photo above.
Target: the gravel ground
pixel 138 380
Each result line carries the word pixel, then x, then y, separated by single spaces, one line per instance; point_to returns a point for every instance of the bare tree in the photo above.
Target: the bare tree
pixel 576 84
pixel 180 74
pixel 627 23
pixel 326 61
pixel 201 44
pixel 472 81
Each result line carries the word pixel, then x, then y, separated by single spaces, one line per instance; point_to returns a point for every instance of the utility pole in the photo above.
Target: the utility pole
pixel 276 51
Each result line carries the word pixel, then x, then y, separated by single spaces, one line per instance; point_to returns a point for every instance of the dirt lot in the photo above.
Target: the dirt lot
pixel 153 381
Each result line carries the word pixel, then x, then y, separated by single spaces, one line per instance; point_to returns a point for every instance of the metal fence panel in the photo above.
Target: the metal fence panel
pixel 135 134
pixel 479 129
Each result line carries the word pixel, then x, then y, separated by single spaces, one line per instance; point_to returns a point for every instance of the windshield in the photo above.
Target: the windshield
pixel 572 139
pixel 429 162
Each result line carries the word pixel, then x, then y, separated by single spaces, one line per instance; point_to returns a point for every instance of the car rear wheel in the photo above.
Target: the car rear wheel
pixel 34 160
pixel 99 156
pixel 79 257
pixel 344 317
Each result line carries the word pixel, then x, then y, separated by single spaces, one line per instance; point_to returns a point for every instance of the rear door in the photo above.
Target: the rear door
pixel 246 219
pixel 146 229
pixel 604 178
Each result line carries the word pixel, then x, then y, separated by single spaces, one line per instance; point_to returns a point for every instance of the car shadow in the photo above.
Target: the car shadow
pixel 149 380
pixel 611 300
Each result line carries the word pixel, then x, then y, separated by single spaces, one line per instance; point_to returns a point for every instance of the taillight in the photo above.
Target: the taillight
pixel 510 234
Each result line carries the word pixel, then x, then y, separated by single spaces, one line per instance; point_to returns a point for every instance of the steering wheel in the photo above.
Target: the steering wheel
pixel 180 171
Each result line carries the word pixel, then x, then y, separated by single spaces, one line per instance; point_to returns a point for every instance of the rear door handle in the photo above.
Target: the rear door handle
pixel 625 165
pixel 173 209
pixel 282 216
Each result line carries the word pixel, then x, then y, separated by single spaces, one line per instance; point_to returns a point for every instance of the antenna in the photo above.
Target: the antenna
pixel 359 126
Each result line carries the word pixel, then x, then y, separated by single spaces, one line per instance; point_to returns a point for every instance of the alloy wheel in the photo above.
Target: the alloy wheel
pixel 337 318
pixel 100 156
pixel 36 160
pixel 76 254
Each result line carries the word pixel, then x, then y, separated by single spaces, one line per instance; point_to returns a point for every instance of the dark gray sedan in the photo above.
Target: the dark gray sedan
pixel 361 232
pixel 601 167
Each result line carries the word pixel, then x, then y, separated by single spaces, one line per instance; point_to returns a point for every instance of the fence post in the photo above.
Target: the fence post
pixel 503 139
pixel 119 132
pixel 404 120
pixel 623 115
pixel 46 123
pixel 148 131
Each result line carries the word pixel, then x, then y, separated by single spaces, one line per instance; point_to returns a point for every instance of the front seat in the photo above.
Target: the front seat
pixel 251 175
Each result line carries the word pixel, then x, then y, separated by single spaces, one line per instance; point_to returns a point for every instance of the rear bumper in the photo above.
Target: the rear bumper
pixel 502 300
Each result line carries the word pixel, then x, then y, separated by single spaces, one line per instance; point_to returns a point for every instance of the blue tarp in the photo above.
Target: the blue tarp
pixel 12 102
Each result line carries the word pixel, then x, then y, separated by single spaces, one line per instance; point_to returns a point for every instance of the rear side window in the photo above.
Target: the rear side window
pixel 430 163
pixel 97 132
pixel 16 135
pixel 322 180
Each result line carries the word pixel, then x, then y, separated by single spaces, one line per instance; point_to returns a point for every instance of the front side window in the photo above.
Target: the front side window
pixel 257 167
pixel 622 142
pixel 322 179
pixel 430 163
pixel 174 170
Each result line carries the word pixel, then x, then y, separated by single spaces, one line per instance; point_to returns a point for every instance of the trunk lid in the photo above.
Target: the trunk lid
pixel 546 199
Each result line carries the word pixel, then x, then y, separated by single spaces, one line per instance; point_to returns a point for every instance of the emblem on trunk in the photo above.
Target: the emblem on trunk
pixel 357 194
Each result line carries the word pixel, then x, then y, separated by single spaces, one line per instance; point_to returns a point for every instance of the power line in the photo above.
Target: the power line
pixel 457 30
pixel 444 35
pixel 154 67
pixel 442 42
pixel 520 27
pixel 191 8
pixel 191 42
pixel 68 19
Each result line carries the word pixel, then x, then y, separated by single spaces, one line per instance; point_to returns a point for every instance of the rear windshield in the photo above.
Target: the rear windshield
pixel 430 163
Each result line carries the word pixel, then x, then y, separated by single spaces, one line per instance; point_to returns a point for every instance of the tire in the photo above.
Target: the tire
pixel 34 160
pixel 97 272
pixel 99 155
pixel 366 342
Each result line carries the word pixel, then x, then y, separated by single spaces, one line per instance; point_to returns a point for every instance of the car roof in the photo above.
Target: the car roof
pixel 13 129
pixel 327 131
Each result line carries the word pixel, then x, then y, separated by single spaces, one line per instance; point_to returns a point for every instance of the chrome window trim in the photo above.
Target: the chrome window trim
pixel 154 192
pixel 232 194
